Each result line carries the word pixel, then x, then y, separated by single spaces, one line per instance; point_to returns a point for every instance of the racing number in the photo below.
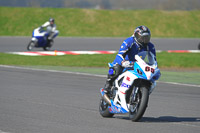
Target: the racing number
pixel 152 70
pixel 147 69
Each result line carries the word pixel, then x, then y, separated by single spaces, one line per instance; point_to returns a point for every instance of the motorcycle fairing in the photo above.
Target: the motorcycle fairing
pixel 39 37
pixel 114 108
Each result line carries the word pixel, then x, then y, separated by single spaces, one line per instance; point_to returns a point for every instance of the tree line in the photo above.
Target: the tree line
pixel 107 4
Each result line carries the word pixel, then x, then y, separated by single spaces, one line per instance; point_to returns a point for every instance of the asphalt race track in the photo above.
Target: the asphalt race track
pixel 19 44
pixel 54 102
pixel 39 101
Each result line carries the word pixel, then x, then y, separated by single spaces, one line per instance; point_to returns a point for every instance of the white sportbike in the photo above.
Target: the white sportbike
pixel 131 90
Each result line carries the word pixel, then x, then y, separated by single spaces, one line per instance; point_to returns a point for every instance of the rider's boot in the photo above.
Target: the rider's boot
pixel 112 74
pixel 51 36
pixel 49 40
pixel 107 87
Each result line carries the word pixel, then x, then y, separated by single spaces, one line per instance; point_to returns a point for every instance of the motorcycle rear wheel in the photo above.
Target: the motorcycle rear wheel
pixel 103 109
pixel 49 45
pixel 139 105
pixel 46 48
pixel 30 45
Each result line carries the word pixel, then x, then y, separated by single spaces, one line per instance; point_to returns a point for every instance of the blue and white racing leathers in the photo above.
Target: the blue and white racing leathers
pixel 130 48
pixel 127 52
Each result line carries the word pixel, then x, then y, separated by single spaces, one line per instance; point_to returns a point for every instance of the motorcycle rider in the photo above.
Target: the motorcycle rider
pixel 139 43
pixel 50 29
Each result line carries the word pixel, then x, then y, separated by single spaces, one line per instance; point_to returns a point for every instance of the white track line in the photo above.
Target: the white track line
pixel 57 71
pixel 86 74
pixel 174 83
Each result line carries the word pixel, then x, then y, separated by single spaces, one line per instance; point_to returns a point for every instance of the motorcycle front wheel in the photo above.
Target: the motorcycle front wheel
pixel 103 109
pixel 30 45
pixel 138 104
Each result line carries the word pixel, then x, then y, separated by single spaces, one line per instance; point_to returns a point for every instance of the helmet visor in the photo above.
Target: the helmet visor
pixel 145 38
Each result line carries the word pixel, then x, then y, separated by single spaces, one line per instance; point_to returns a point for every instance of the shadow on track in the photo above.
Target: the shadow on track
pixel 170 119
pixel 163 119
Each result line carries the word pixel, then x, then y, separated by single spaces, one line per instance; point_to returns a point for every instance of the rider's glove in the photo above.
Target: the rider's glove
pixel 127 63
pixel 40 29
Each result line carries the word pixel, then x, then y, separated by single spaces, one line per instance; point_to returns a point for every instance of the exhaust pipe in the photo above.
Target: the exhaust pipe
pixel 107 99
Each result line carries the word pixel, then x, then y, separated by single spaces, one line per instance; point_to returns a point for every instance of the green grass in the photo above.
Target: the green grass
pixel 100 23
pixel 65 60
pixel 182 64
pixel 165 60
pixel 104 23
pixel 186 77
pixel 178 60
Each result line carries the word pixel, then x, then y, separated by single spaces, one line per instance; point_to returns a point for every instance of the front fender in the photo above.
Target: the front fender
pixel 142 83
pixel 34 39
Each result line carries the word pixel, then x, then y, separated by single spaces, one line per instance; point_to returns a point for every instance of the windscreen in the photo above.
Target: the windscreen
pixel 148 57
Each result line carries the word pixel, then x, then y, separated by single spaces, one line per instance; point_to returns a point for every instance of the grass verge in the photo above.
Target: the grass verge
pixel 165 60
pixel 100 23
pixel 97 64
pixel 185 77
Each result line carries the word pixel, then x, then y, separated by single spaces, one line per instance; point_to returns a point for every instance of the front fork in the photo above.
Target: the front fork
pixel 135 91
pixel 133 103
pixel 35 40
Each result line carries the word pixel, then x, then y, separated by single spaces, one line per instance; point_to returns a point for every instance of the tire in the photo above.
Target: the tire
pixel 199 46
pixel 140 104
pixel 103 109
pixel 46 48
pixel 30 45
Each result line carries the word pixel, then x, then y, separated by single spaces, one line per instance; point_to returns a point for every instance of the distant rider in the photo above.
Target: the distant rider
pixel 139 43
pixel 50 29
